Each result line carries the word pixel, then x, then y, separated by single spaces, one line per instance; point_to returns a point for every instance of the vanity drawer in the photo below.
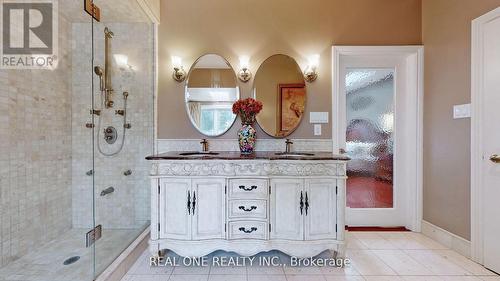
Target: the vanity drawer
pixel 254 209
pixel 248 188
pixel 248 230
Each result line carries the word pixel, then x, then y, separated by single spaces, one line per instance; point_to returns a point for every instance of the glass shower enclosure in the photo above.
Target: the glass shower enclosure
pixel 73 136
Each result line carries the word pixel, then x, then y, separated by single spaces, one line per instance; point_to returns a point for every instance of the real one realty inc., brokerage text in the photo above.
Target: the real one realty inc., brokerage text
pixel 225 261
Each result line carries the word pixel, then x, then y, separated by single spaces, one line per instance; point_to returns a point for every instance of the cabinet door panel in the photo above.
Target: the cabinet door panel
pixel 175 223
pixel 321 216
pixel 209 213
pixel 286 220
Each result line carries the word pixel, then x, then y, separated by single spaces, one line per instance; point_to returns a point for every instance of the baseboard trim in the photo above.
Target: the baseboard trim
pixel 376 228
pixel 448 239
pixel 126 259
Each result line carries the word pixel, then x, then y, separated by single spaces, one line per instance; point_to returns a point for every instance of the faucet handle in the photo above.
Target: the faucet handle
pixel 204 144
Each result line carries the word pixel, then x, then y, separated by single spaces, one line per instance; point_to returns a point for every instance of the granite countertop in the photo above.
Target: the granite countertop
pixel 234 155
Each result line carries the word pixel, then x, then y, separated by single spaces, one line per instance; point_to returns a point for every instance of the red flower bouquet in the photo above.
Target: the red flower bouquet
pixel 247 109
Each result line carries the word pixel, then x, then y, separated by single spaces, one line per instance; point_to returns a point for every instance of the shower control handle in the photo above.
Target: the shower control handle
pixel 107 191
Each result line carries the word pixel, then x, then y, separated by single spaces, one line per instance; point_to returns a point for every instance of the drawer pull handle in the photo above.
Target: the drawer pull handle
pixel 248 210
pixel 242 229
pixel 189 203
pixel 248 189
pixel 301 203
pixel 194 202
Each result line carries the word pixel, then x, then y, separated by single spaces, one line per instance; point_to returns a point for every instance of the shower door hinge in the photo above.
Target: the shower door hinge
pixel 95 112
pixel 158 227
pixel 336 190
pixel 92 10
pixel 93 235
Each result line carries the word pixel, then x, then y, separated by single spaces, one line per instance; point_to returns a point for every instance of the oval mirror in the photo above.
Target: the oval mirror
pixel 211 90
pixel 280 86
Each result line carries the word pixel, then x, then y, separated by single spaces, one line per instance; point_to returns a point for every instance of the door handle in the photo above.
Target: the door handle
pixel 194 202
pixel 495 158
pixel 189 203
pixel 301 202
pixel 307 203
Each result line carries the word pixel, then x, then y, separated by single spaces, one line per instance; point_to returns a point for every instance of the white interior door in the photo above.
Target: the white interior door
pixel 487 115
pixel 377 125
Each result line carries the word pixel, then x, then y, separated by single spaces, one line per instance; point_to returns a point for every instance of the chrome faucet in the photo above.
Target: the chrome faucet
pixel 288 148
pixel 204 145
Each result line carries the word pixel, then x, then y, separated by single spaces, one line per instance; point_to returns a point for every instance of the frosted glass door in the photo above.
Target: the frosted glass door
pixel 369 137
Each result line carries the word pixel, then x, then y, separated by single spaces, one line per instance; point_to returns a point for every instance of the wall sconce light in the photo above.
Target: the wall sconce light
pixel 244 74
pixel 310 74
pixel 179 74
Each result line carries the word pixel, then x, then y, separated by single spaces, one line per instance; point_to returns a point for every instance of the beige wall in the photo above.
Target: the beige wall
pixel 446 28
pixel 261 28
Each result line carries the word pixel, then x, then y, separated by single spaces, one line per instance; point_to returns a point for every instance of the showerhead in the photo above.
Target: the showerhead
pixel 108 33
pixel 98 70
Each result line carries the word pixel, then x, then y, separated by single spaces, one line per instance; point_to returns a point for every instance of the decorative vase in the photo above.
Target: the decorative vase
pixel 247 137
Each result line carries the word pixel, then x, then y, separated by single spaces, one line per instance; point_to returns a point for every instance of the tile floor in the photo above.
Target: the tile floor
pixel 46 262
pixel 375 256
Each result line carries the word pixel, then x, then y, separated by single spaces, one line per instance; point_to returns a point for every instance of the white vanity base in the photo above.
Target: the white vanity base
pixel 248 206
pixel 248 247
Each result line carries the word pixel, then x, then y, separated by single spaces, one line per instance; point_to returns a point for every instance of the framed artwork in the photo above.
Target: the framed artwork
pixel 291 104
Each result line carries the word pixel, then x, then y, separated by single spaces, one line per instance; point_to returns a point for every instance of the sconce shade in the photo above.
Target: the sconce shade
pixel 179 74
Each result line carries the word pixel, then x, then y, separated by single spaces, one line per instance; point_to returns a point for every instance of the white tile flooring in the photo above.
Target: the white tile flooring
pixel 46 262
pixel 375 256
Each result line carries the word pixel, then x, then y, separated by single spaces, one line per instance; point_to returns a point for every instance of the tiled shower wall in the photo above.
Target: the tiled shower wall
pixel 35 153
pixel 128 206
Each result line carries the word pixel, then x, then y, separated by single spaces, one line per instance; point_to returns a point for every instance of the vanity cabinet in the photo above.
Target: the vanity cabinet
pixel 191 209
pixel 303 209
pixel 248 206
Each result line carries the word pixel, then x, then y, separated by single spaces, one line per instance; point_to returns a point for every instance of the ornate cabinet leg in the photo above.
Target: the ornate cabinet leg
pixel 340 253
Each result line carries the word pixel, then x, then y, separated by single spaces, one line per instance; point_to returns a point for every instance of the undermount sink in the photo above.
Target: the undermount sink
pixel 296 154
pixel 198 153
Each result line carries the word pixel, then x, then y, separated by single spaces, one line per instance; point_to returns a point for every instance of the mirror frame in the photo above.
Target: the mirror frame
pixel 254 95
pixel 186 89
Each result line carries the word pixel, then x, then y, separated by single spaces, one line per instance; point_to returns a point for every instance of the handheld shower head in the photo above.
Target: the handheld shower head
pixel 99 72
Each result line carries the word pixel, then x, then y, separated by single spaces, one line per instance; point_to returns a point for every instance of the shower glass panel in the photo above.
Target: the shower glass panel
pixel 123 65
pixel 369 137
pixel 46 162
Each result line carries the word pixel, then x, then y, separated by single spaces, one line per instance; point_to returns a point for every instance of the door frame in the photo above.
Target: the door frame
pixel 415 85
pixel 477 224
